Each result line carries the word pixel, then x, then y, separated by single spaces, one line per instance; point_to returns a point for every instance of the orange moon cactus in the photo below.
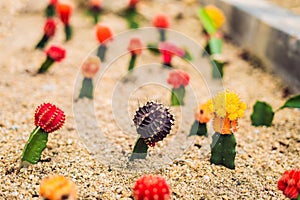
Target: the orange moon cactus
pixel 57 187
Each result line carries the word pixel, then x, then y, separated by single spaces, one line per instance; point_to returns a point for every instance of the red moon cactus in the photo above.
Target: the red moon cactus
pixel 49 31
pixel 49 117
pixel 50 27
pixel 168 50
pixel 151 187
pixel 54 54
pixel 290 184
pixel 90 67
pixel 103 33
pixel 65 11
pixel 178 78
pixel 135 47
pixel 161 22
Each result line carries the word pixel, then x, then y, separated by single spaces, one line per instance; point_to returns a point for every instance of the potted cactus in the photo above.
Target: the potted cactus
pixel 64 11
pixel 47 119
pixel 179 80
pixel 151 187
pixel 289 184
pixel 50 9
pixel 161 22
pixel 153 123
pixel 202 117
pixel 135 48
pixel 54 54
pixel 55 187
pixel 227 109
pixel 104 35
pixel 95 9
pixel 89 69
pixel 49 32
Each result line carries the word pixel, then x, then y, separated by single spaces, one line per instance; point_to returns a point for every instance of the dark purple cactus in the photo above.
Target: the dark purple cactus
pixel 153 122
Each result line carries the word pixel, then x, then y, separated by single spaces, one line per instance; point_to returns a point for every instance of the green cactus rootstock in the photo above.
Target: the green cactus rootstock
pixel 199 129
pixel 101 52
pixel 50 11
pixel 153 48
pixel 132 62
pixel 132 19
pixel 46 65
pixel 177 96
pixel 223 150
pixel 217 71
pixel 34 147
pixel 262 115
pixel 42 43
pixel 87 89
pixel 140 150
pixel 68 32
pixel 162 34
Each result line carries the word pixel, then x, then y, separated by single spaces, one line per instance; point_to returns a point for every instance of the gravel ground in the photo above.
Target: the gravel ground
pixel 263 154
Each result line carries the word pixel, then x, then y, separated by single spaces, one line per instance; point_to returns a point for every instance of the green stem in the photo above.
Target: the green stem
pixel 223 150
pixel 68 32
pixel 132 62
pixel 34 147
pixel 42 43
pixel 46 65
pixel 101 52
pixel 162 34
pixel 87 89
pixel 140 150
pixel 217 72
pixel 131 17
pixel 50 11
pixel 95 16
pixel 199 129
pixel 153 48
pixel 206 50
pixel 177 96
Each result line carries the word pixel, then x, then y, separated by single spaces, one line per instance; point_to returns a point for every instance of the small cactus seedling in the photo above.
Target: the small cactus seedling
pixel 289 184
pixel 263 113
pixel 227 108
pixel 49 31
pixel 179 80
pixel 58 187
pixel 95 9
pixel 153 123
pixel 50 9
pixel 48 118
pixel 104 35
pixel 202 117
pixel 64 11
pixel 89 69
pixel 135 47
pixel 212 20
pixel 54 54
pixel 161 22
pixel 168 50
pixel 151 187
pixel 131 14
